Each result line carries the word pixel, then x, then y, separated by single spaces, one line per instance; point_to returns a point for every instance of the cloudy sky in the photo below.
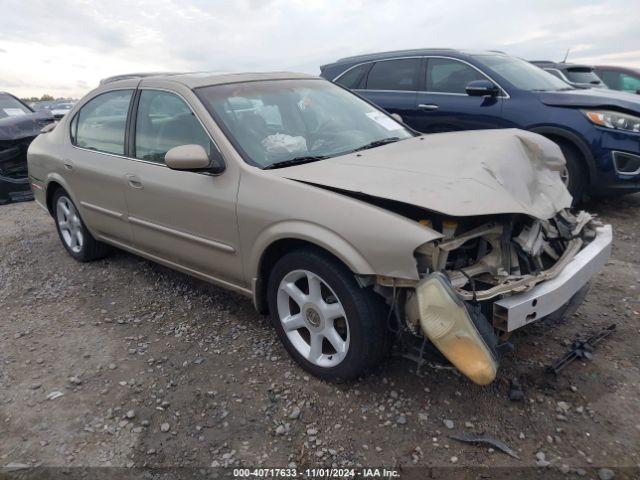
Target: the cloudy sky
pixel 64 47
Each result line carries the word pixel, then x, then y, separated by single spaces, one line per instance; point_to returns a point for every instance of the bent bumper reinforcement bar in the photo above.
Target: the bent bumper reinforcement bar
pixel 513 312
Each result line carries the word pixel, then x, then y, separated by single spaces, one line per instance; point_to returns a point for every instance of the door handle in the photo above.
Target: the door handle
pixel 430 107
pixel 134 181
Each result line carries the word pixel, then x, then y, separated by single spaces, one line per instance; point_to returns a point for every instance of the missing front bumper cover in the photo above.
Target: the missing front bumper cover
pixel 515 311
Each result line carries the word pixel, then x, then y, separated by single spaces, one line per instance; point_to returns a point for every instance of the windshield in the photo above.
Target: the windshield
pixel 10 107
pixel 522 74
pixel 582 75
pixel 285 121
pixel 62 106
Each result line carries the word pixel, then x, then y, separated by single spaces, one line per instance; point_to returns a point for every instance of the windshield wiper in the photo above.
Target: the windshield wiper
pixel 295 161
pixel 377 143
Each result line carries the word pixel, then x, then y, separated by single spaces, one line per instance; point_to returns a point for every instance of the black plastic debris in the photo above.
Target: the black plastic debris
pixel 486 440
pixel 581 349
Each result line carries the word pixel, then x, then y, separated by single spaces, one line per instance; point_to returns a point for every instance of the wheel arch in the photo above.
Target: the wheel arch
pixel 574 140
pixel 53 184
pixel 269 250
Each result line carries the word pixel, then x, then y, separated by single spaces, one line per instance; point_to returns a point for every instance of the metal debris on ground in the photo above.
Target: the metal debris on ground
pixel 581 349
pixel 485 439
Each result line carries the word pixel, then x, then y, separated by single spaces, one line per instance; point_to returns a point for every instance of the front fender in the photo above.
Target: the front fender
pixel 312 233
pixel 369 239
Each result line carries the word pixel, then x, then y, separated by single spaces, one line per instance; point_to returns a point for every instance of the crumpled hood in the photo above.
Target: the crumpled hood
pixel 23 126
pixel 459 174
pixel 592 98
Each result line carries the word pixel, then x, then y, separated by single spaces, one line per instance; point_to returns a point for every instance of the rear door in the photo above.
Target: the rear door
pixel 393 85
pixel 95 166
pixel 186 218
pixel 444 105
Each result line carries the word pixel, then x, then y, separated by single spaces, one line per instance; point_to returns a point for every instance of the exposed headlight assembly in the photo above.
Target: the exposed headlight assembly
pixel 614 120
pixel 445 321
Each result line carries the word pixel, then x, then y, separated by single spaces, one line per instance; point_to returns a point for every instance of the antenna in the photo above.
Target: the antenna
pixel 566 56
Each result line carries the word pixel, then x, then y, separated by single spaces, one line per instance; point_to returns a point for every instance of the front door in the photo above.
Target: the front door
pixel 444 106
pixel 187 218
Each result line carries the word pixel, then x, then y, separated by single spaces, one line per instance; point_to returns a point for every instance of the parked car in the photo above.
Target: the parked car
pixel 620 78
pixel 60 109
pixel 348 227
pixel 447 90
pixel 578 76
pixel 19 125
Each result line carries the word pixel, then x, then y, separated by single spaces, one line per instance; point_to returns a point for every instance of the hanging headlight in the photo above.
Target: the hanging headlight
pixel 445 321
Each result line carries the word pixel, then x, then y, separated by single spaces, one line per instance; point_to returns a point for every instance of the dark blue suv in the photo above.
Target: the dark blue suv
pixel 444 90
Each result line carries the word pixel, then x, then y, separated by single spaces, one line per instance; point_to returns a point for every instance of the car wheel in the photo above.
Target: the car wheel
pixel 73 233
pixel 574 175
pixel 331 326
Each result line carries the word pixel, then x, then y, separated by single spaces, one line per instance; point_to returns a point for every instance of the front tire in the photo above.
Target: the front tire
pixel 575 175
pixel 73 233
pixel 332 327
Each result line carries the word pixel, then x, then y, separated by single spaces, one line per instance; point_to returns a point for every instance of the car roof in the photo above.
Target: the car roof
pixel 203 79
pixel 412 52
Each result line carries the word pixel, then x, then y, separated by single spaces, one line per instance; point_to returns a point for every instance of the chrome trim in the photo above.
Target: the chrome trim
pixel 548 296
pixel 105 211
pixel 386 91
pixel 184 235
pixel 615 162
pixel 506 95
pixel 376 61
pixel 177 266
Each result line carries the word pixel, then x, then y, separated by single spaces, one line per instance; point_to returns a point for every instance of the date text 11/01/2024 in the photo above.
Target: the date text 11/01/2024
pixel 316 473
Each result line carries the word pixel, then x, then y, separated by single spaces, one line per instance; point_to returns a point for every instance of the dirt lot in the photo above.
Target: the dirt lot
pixel 158 369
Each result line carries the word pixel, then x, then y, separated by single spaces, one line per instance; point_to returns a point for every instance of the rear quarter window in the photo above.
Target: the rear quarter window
pixel 353 78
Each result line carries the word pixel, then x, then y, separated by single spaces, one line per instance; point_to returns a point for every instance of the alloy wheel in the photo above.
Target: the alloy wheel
pixel 69 224
pixel 313 318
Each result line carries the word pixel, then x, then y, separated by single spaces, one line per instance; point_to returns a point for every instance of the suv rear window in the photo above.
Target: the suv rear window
pixel 582 75
pixel 401 74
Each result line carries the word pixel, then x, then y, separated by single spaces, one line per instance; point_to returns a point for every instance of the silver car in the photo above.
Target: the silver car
pixel 353 231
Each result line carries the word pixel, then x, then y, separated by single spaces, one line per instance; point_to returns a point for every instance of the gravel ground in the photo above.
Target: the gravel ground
pixel 123 362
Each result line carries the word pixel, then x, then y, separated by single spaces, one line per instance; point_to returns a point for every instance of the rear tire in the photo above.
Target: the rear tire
pixel 73 233
pixel 311 295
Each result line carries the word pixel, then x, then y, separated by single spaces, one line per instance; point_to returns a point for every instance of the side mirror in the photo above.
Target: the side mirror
pixel 482 88
pixel 638 91
pixel 191 157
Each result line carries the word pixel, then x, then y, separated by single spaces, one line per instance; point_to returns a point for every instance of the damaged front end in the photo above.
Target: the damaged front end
pixel 16 134
pixel 491 275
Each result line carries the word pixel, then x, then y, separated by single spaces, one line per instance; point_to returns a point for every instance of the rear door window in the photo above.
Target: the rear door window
pixel 165 121
pixel 445 75
pixel 101 123
pixel 401 74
